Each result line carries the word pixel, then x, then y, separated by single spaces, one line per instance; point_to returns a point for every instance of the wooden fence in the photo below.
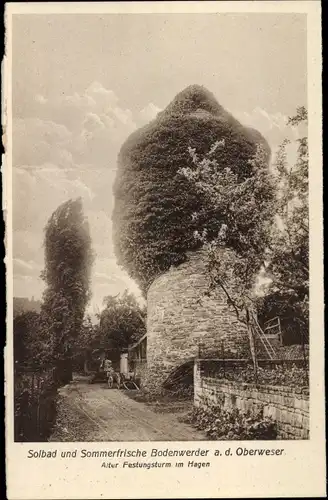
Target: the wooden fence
pixel 35 396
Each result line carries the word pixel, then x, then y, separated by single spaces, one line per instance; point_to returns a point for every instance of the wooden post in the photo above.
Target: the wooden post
pixel 86 362
pixel 280 332
pixel 252 345
pixel 223 357
pixel 38 410
pixel 200 353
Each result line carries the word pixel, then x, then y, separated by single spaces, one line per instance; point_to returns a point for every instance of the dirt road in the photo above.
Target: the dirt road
pixel 92 412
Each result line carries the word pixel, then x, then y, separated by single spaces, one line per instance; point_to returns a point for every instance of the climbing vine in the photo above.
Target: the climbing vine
pixel 155 204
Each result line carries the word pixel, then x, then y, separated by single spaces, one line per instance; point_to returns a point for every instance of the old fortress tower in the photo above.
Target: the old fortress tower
pixel 181 316
pixel 154 228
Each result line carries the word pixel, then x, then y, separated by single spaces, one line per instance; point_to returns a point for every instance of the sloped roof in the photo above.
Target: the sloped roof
pixel 133 346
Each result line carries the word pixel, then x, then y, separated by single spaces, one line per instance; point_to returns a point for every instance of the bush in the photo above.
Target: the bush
pixel 284 375
pixel 220 424
pixel 30 341
pixel 292 376
pixel 280 375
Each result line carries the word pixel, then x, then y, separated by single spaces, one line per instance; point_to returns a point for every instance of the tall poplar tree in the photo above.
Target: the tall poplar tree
pixel 67 272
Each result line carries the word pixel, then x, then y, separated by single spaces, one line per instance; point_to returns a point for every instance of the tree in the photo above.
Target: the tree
pixel 88 340
pixel 25 326
pixel 154 203
pixel 68 262
pixel 32 349
pixel 244 208
pixel 291 315
pixel 289 246
pixel 89 335
pixel 276 242
pixel 122 322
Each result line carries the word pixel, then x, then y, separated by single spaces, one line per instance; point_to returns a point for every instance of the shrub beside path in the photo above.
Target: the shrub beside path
pixel 92 412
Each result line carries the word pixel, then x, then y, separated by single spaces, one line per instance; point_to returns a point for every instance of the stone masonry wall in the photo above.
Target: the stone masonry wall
pixel 180 316
pixel 289 407
pixel 141 370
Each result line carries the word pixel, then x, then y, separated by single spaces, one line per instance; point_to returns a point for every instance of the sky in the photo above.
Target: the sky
pixel 82 83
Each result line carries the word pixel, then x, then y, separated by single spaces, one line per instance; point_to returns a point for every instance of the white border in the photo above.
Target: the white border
pixel 302 471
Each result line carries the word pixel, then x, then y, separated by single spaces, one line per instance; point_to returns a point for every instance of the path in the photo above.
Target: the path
pixel 92 412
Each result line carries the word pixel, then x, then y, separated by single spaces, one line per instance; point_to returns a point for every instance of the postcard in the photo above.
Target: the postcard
pixel 164 250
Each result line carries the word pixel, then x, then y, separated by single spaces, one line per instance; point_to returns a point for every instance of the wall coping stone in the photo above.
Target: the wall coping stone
pixel 251 386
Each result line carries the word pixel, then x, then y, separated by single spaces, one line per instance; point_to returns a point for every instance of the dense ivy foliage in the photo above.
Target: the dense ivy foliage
pixel 154 203
pixel 67 274
pixel 68 254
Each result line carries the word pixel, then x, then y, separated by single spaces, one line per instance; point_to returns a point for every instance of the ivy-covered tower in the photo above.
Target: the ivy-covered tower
pixel 154 225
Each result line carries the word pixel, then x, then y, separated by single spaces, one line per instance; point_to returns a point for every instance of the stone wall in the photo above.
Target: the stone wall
pixel 140 371
pixel 289 407
pixel 180 317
